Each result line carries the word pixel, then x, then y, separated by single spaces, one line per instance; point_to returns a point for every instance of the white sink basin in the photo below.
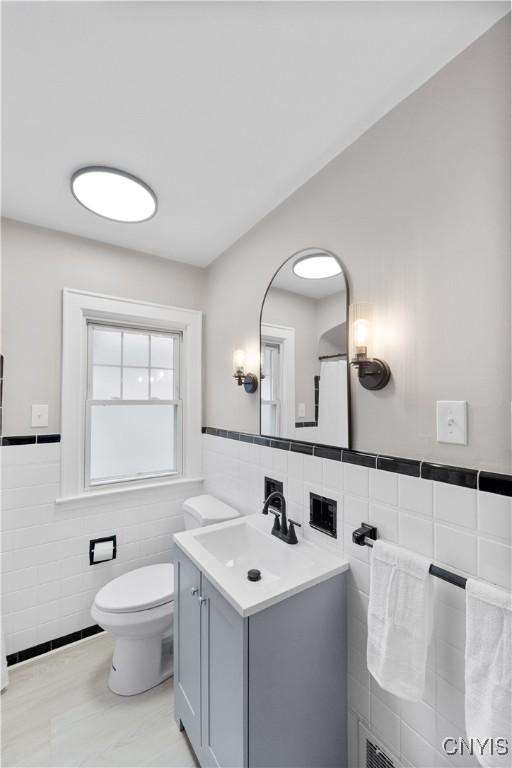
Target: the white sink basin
pixel 242 547
pixel 227 551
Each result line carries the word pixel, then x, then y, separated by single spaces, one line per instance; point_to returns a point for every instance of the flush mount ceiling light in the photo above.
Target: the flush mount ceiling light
pixel 317 266
pixel 113 194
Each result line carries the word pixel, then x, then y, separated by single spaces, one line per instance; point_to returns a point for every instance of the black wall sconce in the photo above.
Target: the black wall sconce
pixel 249 380
pixel 373 373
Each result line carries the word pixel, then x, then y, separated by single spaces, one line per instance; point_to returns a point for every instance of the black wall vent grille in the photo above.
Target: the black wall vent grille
pixel 376 758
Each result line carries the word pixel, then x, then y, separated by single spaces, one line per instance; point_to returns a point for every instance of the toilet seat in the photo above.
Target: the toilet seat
pixel 138 590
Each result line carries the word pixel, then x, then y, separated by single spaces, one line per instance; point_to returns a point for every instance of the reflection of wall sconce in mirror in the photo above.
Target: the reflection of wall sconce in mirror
pixel 372 372
pixel 249 380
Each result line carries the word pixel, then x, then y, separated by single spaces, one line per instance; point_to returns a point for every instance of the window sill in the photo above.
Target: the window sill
pixel 90 498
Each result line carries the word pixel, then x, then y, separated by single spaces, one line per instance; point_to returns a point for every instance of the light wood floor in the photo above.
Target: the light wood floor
pixel 58 711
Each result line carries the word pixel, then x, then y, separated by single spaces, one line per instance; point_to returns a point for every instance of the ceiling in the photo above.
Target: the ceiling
pixel 223 108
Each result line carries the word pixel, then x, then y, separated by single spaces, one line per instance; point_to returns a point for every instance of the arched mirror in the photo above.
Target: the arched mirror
pixel 304 392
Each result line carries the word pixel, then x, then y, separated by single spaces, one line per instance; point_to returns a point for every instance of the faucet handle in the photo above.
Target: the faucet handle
pixel 292 536
pixel 277 521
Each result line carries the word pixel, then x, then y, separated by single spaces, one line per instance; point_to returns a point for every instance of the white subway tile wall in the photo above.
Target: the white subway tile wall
pixel 47 583
pixel 466 531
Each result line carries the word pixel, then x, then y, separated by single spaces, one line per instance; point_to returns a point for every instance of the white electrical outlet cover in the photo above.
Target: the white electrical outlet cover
pixel 452 421
pixel 39 415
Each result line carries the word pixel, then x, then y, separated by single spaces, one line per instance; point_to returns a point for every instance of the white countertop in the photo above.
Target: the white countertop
pixel 226 551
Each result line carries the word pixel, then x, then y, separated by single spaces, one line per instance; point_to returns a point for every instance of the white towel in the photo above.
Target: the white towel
pixel 333 403
pixel 489 670
pixel 399 620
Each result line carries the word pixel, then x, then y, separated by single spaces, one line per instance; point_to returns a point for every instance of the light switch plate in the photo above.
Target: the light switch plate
pixel 39 415
pixel 301 410
pixel 452 421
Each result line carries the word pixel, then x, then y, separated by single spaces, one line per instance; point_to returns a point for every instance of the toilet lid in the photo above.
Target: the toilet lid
pixel 138 590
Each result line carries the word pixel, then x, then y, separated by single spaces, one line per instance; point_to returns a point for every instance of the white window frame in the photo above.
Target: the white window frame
pixel 81 308
pixel 285 337
pixel 276 384
pixel 90 402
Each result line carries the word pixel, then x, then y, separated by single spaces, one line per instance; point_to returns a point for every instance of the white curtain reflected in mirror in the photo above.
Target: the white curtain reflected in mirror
pixel 304 390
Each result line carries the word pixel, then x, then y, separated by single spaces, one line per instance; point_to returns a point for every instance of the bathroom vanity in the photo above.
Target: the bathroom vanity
pixel 260 667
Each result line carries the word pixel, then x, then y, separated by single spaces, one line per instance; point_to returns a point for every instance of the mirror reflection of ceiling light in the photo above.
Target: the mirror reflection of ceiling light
pixel 113 194
pixel 317 266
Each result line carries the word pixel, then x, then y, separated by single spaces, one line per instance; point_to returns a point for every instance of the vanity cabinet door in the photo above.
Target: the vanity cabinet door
pixel 187 648
pixel 224 675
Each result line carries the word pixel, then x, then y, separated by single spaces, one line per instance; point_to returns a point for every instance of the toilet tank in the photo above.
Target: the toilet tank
pixel 204 510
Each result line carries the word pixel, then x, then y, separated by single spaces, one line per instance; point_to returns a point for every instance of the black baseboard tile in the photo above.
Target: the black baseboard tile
pixel 305 448
pixel 261 441
pixel 52 645
pixel 443 473
pixel 281 445
pixel 328 452
pixel 491 482
pixel 95 629
pixel 19 440
pixel 361 459
pixel 48 439
pixel 30 439
pixel 60 642
pixel 408 467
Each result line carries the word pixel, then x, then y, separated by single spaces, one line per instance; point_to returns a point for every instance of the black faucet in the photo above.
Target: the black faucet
pixel 281 529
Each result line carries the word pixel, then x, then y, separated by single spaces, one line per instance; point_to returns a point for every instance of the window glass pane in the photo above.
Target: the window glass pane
pixel 162 352
pixel 106 347
pixel 106 382
pixel 266 381
pixel 268 419
pixel 135 384
pixel 162 384
pixel 131 440
pixel 136 349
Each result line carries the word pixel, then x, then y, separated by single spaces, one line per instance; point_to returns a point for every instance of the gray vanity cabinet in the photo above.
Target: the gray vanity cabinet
pixel 223 669
pixel 187 646
pixel 267 691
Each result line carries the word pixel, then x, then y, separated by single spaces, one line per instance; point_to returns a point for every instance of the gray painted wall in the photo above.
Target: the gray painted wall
pixel 418 209
pixel 37 264
pixel 300 313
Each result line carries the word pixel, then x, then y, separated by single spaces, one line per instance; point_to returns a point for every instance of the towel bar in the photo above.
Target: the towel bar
pixel 367 534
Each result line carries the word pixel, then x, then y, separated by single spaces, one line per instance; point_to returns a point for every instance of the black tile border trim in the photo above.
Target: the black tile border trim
pixel 29 439
pixel 410 467
pixel 442 473
pixel 491 482
pixel 52 645
pixel 328 452
pixel 361 459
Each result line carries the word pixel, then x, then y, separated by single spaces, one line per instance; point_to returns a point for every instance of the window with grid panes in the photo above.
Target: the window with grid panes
pixel 133 406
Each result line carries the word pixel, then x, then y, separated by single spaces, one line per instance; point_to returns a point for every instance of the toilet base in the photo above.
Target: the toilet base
pixel 139 664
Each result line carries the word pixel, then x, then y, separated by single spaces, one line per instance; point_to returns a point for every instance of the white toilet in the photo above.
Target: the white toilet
pixel 137 609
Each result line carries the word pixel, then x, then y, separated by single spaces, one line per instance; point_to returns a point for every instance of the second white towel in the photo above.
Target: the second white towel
pixel 399 620
pixel 489 671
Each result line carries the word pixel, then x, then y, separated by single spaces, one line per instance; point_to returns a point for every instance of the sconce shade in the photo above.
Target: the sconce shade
pixel 248 380
pixel 360 322
pixel 372 372
pixel 238 359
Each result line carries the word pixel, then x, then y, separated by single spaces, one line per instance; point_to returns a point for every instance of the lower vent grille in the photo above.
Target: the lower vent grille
pixel 376 758
pixel 372 753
